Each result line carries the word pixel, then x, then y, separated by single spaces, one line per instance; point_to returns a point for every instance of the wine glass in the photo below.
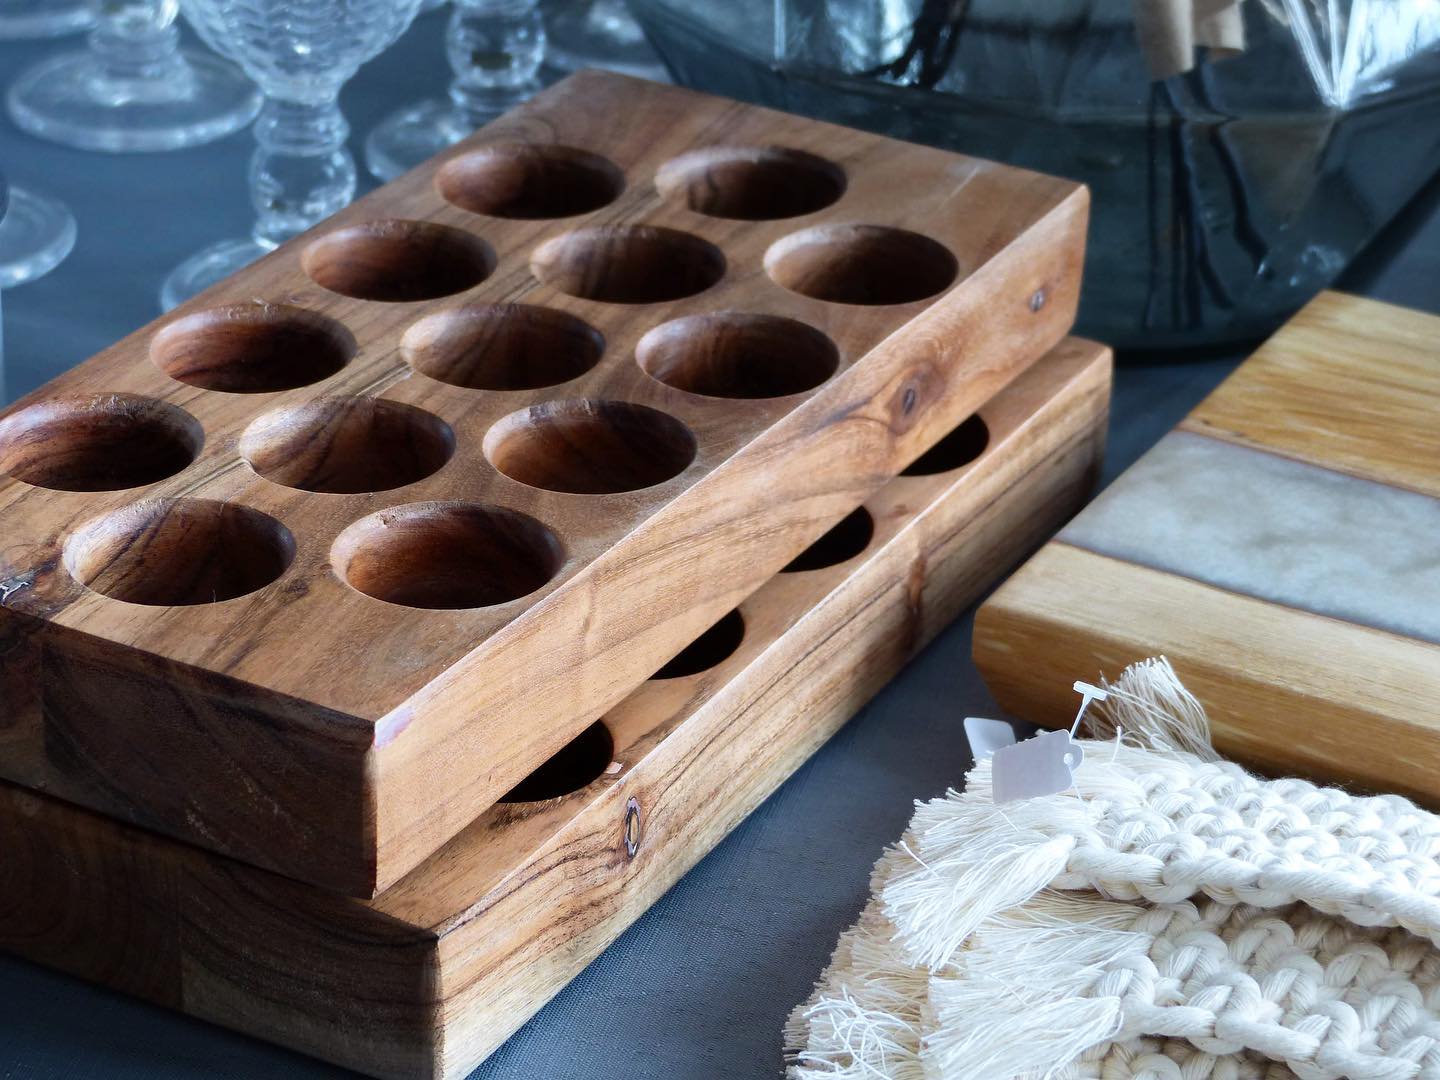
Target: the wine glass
pixel 133 88
pixel 495 48
pixel 300 52
pixel 21 19
pixel 36 232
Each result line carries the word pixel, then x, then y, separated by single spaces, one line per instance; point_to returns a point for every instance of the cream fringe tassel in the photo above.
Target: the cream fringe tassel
pixel 967 965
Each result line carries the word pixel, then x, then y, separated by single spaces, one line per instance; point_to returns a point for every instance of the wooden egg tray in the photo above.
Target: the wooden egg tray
pixel 1279 547
pixel 315 569
pixel 435 973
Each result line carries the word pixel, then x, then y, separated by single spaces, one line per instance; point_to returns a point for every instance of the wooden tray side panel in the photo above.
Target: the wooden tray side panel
pixel 310 970
pixel 87 725
pixel 90 897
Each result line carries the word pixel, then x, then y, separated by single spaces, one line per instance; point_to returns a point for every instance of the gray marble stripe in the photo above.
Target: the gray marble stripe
pixel 1275 529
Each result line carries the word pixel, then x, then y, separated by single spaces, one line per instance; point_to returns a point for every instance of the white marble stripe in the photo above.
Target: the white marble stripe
pixel 1275 529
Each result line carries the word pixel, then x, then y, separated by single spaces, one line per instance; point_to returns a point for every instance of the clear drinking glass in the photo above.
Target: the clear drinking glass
pixel 495 48
pixel 133 88
pixel 300 52
pixel 36 232
pixel 21 19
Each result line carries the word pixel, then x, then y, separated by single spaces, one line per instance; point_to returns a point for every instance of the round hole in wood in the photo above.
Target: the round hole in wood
pixel 709 649
pixel 398 260
pixel 252 348
pixel 347 445
pixel 577 764
pixel 104 442
pixel 736 355
pixel 502 347
pixel 861 264
pixel 529 180
pixel 842 543
pixel 751 183
pixel 174 552
pixel 955 450
pixel 628 264
pixel 589 447
pixel 447 555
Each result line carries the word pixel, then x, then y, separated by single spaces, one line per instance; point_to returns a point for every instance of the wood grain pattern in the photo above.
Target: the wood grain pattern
pixel 1286 691
pixel 428 978
pixel 1349 383
pixel 329 407
pixel 1351 386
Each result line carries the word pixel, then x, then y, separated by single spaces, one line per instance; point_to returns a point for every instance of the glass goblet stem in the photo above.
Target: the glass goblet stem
pixel 495 48
pixel 301 172
pixel 140 45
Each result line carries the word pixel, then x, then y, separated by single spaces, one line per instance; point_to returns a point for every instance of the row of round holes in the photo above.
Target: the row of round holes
pixel 116 441
pixel 263 348
pixel 535 181
pixel 402 261
pixel 356 445
pixel 447 555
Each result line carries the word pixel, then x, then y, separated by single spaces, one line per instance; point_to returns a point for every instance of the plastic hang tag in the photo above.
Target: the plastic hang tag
pixel 1045 764
pixel 986 736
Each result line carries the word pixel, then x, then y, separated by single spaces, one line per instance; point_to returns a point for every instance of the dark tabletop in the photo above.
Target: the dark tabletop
pixel 700 986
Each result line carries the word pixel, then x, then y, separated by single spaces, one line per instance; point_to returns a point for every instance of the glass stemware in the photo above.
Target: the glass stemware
pixel 300 52
pixel 495 48
pixel 134 88
pixel 36 232
pixel 599 34
pixel 22 19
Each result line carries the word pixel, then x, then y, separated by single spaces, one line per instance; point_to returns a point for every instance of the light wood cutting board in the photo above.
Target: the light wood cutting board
pixel 1281 547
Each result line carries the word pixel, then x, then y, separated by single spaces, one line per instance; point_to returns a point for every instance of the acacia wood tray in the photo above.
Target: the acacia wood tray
pixel 428 978
pixel 313 570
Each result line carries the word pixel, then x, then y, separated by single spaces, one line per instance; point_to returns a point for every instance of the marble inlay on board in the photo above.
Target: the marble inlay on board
pixel 1276 529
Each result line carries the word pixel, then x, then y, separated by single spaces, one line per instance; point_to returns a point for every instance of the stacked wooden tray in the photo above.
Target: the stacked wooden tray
pixel 431 976
pixel 1279 547
pixel 397 524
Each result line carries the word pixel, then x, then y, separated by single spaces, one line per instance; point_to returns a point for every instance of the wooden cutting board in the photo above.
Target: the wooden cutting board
pixel 314 569
pixel 429 977
pixel 1281 547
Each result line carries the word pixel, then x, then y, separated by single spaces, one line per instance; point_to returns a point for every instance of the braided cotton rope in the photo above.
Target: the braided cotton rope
pixel 1179 920
pixel 871 1011
pixel 1164 828
pixel 1319 994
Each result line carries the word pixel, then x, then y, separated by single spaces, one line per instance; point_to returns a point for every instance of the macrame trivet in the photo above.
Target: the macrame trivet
pixel 1178 920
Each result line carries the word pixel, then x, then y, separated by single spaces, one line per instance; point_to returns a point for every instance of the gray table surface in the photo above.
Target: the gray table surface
pixel 701 984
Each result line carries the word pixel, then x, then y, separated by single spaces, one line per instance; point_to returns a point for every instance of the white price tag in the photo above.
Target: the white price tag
pixel 1043 765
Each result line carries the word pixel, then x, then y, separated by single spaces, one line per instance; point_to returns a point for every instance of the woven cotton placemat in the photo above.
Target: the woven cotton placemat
pixel 1170 917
